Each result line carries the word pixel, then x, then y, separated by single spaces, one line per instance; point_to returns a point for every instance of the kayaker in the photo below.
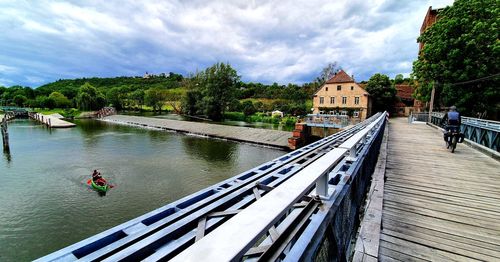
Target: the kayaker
pixel 96 175
pixel 100 181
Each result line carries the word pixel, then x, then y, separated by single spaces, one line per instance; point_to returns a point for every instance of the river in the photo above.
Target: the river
pixel 45 203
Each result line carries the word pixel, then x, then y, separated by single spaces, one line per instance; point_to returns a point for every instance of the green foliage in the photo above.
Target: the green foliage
pixel 399 79
pixel 155 98
pixel 210 92
pixel 116 96
pixel 289 120
pixel 382 92
pixel 71 112
pixel 462 46
pixel 235 116
pixel 60 100
pixel 89 98
pixel 248 108
pixel 20 100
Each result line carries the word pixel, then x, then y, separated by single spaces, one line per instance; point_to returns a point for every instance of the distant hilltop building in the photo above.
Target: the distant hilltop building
pixel 341 95
pixel 146 75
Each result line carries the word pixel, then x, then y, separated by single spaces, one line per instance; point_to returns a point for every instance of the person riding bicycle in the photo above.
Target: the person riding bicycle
pixel 452 119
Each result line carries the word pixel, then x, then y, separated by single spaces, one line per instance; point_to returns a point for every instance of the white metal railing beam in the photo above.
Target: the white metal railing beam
pixel 231 240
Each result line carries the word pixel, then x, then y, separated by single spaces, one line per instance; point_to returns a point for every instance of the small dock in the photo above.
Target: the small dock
pixel 266 137
pixel 50 121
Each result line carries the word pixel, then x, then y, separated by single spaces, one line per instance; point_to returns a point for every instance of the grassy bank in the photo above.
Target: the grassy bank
pixel 261 117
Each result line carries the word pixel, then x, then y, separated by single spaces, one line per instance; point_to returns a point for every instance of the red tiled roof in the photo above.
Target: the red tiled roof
pixel 404 91
pixel 340 77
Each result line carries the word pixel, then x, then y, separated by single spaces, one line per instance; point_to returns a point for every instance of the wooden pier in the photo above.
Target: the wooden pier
pixel 267 137
pixel 51 121
pixel 438 206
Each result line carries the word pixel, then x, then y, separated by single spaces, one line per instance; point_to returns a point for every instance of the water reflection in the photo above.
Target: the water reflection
pixel 46 204
pixel 210 150
pixel 6 154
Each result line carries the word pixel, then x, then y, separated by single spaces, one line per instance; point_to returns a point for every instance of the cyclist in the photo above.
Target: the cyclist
pixel 452 120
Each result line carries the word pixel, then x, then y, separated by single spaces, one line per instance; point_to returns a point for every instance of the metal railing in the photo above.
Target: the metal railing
pixel 335 121
pixel 339 167
pixel 480 131
pixel 332 177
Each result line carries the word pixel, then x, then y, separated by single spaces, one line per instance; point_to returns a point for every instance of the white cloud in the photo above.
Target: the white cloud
pixel 283 41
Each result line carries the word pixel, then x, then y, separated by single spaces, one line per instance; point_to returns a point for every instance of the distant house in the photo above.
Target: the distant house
pixel 341 95
pixel 277 113
pixel 406 103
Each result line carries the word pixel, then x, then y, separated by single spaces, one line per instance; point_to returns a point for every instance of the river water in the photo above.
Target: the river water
pixel 45 203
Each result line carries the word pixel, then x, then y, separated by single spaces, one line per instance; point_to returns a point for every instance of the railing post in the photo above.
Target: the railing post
pixel 322 185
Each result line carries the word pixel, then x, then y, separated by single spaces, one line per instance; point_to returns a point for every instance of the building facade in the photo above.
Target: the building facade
pixel 341 95
pixel 430 18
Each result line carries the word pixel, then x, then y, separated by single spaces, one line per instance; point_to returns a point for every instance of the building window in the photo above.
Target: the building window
pixel 326 89
pixel 343 113
pixel 356 100
pixel 332 113
pixel 339 88
pixel 321 100
pixel 352 87
pixel 332 100
pixel 344 100
pixel 355 114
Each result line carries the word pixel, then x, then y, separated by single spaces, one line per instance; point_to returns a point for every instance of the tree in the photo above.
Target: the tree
pixel 399 79
pixel 60 100
pixel 115 97
pixel 461 57
pixel 383 93
pixel 328 72
pixel 211 91
pixel 155 98
pixel 248 108
pixel 138 97
pixel 89 98
pixel 20 100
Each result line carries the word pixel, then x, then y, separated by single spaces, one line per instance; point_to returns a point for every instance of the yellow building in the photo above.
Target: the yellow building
pixel 341 95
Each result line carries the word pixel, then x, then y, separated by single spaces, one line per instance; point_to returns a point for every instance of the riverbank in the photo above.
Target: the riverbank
pixel 266 137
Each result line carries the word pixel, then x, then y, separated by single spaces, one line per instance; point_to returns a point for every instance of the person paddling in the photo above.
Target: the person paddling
pixel 96 175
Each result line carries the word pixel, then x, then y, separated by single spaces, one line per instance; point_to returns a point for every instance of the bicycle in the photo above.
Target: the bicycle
pixel 452 137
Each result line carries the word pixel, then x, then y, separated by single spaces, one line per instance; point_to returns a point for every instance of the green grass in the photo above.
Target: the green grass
pixel 68 112
pixel 260 117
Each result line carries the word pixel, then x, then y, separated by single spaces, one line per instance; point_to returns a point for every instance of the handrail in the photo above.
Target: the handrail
pixel 478 131
pixel 231 240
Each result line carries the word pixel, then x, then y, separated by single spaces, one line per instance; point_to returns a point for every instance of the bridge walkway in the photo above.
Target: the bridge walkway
pixel 438 206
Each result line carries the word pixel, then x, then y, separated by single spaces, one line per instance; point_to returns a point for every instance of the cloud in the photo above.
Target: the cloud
pixel 266 41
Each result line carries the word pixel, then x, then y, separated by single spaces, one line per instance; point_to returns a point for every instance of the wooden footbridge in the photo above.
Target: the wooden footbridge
pixel 310 204
pixel 438 206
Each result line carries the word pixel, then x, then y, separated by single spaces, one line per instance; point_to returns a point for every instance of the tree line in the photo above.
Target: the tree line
pixel 461 58
pixel 210 93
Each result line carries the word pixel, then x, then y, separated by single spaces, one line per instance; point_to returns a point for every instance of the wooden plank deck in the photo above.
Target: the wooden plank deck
pixel 438 206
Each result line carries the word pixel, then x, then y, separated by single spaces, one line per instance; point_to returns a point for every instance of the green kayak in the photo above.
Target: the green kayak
pixel 98 187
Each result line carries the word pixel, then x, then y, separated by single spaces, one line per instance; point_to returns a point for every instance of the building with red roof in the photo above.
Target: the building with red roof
pixel 341 95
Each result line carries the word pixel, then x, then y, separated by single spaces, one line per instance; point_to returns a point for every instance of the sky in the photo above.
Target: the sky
pixel 265 41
